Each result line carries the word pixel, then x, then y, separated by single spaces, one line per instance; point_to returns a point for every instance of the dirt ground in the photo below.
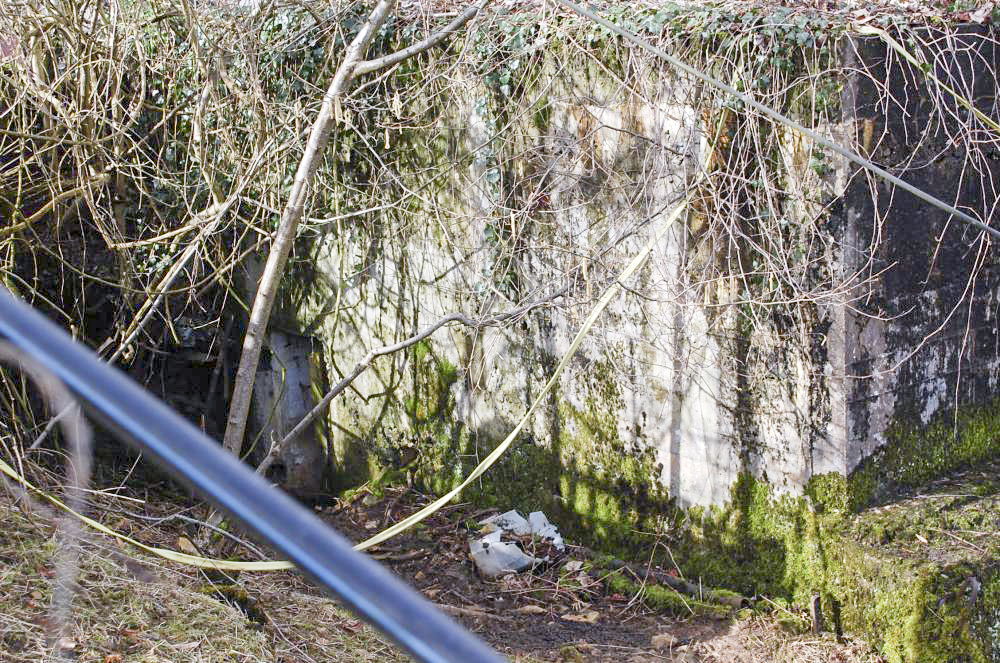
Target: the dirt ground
pixel 559 613
pixel 131 607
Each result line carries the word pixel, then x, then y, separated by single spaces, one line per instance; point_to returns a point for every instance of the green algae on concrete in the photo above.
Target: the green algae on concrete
pixel 598 492
pixel 915 455
pixel 919 578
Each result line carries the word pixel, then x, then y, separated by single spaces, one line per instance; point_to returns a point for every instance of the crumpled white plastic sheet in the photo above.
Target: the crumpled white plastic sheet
pixel 495 557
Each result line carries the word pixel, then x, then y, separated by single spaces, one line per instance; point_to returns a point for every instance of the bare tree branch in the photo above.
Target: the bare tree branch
pixel 46 209
pixel 319 136
pixel 362 365
pixel 369 66
pixel 352 66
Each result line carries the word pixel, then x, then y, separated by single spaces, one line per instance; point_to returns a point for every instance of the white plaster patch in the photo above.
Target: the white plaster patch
pixel 935 393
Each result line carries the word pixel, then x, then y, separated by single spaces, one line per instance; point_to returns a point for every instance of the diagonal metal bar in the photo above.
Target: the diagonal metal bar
pixel 362 584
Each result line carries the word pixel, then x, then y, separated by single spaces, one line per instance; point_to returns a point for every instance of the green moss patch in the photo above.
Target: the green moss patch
pixel 916 455
pixel 918 578
pixel 667 600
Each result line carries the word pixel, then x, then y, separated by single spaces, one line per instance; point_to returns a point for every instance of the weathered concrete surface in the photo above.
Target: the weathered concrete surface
pixel 283 395
pixel 677 393
pixel 919 340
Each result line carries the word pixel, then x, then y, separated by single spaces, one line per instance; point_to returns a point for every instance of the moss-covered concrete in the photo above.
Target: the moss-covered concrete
pixel 920 575
pixel 583 477
pixel 919 578
pixel 915 455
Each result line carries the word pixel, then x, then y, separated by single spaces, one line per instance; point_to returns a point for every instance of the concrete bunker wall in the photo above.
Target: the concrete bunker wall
pixel 920 353
pixel 678 393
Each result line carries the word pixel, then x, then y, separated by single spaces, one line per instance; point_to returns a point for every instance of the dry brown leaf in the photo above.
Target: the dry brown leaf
pixel 663 641
pixel 350 625
pixel 588 617
pixel 185 546
pixel 531 610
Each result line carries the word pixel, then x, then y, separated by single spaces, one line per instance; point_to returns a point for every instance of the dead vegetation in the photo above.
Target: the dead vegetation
pixel 131 608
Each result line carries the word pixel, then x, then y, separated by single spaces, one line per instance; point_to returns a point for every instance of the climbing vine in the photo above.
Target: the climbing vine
pixel 144 162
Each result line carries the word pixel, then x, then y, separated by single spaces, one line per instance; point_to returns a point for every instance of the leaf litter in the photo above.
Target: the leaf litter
pixel 129 607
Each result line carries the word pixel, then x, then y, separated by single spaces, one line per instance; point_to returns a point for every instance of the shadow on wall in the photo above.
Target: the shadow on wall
pixel 598 492
pixel 726 547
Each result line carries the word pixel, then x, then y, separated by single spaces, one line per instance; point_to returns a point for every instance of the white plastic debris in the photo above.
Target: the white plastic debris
pixel 543 529
pixel 495 557
pixel 512 521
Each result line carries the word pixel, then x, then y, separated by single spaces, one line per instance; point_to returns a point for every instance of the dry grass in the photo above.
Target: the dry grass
pixel 126 610
pixel 762 640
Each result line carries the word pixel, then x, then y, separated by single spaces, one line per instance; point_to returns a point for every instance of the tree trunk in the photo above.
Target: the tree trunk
pixel 260 314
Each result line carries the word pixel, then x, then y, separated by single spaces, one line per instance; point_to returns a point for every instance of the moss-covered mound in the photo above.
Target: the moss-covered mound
pixel 919 577
pixel 921 574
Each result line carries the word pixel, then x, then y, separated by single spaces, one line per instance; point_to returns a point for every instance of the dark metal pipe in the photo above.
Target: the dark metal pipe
pixel 116 401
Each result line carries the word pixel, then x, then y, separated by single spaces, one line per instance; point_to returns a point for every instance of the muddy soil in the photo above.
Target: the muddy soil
pixel 564 610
